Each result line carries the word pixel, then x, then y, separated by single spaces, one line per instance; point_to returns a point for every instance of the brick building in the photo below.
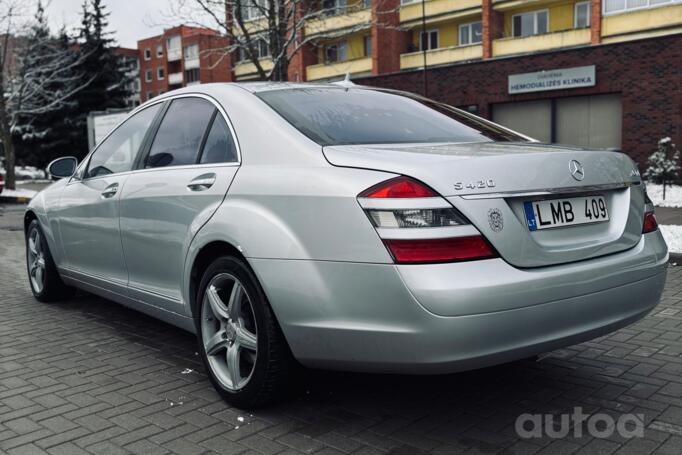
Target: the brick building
pixel 179 57
pixel 594 73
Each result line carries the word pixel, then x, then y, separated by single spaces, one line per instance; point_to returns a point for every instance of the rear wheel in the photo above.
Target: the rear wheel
pixel 242 346
pixel 43 277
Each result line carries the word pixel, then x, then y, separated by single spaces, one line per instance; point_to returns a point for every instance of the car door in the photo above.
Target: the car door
pixel 88 209
pixel 183 178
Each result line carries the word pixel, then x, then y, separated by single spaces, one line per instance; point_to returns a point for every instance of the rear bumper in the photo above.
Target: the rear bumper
pixel 452 317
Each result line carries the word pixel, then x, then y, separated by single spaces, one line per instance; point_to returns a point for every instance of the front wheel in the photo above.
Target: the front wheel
pixel 43 277
pixel 242 346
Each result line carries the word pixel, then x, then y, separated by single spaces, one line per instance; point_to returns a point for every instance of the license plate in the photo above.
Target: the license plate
pixel 565 212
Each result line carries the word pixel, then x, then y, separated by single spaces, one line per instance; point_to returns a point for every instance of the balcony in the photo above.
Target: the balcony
pixel 662 18
pixel 444 9
pixel 441 56
pixel 339 22
pixel 174 54
pixel 331 70
pixel 246 70
pixel 529 44
pixel 175 79
pixel 191 63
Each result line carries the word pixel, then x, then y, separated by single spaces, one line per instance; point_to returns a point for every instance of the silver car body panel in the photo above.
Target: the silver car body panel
pixel 291 209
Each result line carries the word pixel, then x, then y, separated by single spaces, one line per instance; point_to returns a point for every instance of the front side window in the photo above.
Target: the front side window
pixel 219 146
pixel 338 116
pixel 528 24
pixel 179 136
pixel 582 15
pixel 428 40
pixel 470 33
pixel 118 151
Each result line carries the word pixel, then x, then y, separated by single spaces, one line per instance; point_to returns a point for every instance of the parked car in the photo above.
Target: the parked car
pixel 346 227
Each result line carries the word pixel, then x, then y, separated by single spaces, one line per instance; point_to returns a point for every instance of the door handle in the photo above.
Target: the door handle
pixel 201 183
pixel 110 191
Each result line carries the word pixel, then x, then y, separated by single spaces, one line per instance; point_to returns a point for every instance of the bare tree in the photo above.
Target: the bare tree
pixel 275 29
pixel 44 79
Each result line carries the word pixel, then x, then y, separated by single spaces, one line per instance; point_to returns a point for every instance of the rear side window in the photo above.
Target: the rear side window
pixel 179 136
pixel 219 146
pixel 342 116
pixel 118 151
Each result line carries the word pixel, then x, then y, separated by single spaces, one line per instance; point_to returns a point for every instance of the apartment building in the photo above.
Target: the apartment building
pixel 129 59
pixel 595 73
pixel 179 57
pixel 592 73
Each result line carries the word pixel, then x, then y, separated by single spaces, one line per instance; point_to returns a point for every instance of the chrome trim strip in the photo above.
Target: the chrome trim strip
pixel 551 191
pixel 427 233
pixel 404 203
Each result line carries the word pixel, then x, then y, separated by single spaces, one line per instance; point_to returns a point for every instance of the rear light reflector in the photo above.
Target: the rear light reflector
pixel 439 250
pixel 399 187
pixel 650 223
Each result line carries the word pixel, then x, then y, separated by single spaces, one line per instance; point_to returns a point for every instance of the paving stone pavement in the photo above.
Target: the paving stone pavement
pixel 89 376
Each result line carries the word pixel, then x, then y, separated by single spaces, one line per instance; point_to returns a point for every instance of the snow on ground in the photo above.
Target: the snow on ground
pixel 673 237
pixel 18 193
pixel 673 195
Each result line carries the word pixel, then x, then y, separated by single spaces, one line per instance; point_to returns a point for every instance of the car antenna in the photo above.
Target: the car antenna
pixel 346 82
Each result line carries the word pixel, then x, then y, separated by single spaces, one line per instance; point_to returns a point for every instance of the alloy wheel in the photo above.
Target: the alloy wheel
pixel 228 331
pixel 36 261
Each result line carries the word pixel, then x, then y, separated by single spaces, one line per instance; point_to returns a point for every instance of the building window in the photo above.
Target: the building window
pixel 260 48
pixel 147 54
pixel 470 33
pixel 617 6
pixel 148 76
pixel 160 73
pixel 192 51
pixel 528 24
pixel 336 52
pixel 428 40
pixel 252 9
pixel 582 15
pixel 334 7
pixel 159 51
pixel 192 75
pixel 368 46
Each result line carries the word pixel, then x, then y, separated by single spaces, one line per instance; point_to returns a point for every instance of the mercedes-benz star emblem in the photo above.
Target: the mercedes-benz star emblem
pixel 577 170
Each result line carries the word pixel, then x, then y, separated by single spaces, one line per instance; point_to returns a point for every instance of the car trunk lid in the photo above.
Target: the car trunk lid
pixel 491 182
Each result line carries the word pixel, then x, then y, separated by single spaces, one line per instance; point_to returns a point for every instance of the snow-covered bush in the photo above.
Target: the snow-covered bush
pixel 664 163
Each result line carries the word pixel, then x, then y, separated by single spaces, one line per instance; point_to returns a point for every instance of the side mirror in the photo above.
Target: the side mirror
pixel 62 167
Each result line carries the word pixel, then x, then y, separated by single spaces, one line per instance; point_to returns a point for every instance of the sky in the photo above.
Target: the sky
pixel 130 20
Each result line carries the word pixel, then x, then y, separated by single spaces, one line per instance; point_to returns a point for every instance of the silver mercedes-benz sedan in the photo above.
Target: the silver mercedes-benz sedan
pixel 346 227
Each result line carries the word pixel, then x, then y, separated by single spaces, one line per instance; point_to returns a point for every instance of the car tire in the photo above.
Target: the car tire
pixel 43 277
pixel 241 344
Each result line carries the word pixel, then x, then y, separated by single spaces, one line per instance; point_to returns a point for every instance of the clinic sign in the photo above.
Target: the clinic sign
pixel 559 79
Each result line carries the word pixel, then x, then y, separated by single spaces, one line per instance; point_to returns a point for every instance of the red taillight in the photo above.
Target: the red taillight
pixel 650 223
pixel 399 187
pixel 440 250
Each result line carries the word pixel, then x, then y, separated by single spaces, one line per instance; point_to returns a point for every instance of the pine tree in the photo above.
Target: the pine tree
pixel 664 163
pixel 109 86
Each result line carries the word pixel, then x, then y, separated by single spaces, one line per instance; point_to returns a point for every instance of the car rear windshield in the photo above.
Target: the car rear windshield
pixel 343 116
